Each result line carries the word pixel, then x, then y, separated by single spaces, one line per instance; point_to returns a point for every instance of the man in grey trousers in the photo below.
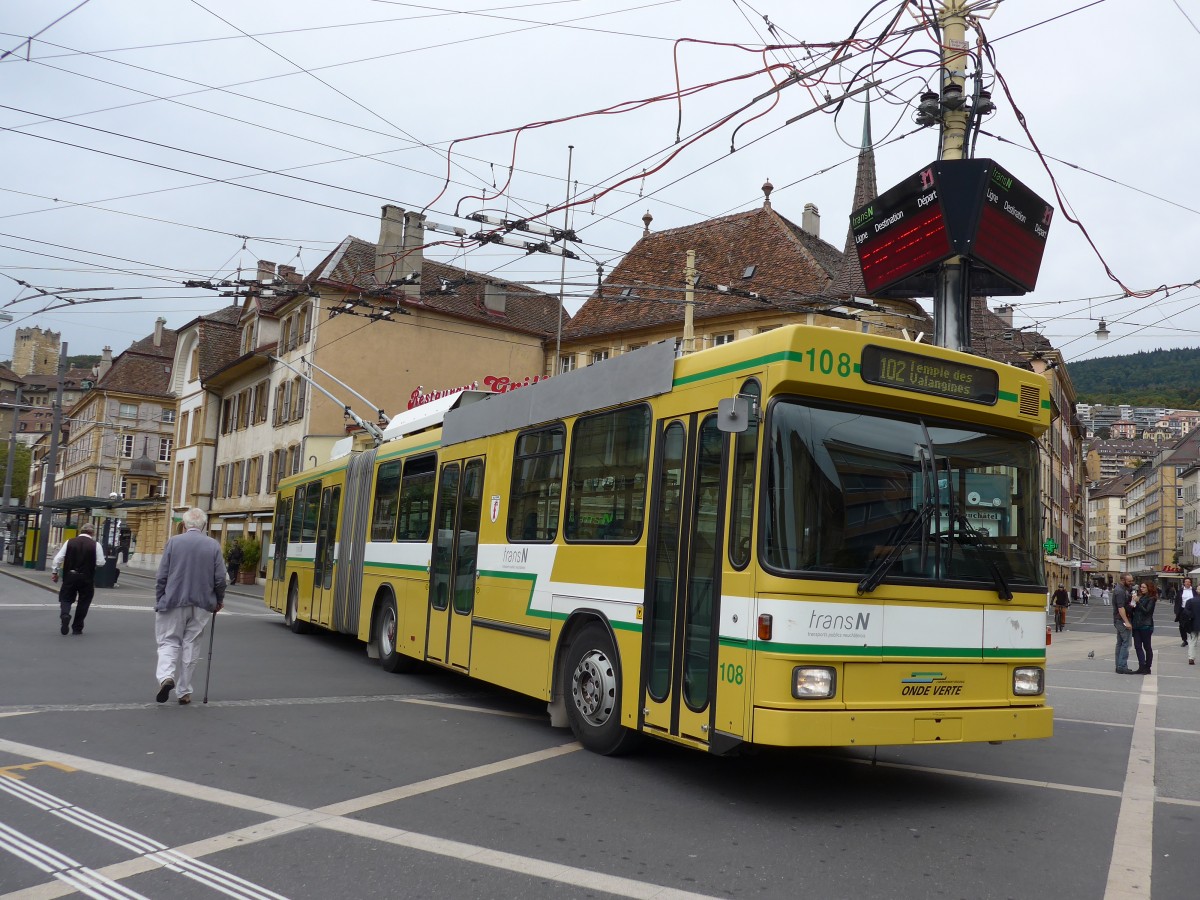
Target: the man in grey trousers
pixel 191 582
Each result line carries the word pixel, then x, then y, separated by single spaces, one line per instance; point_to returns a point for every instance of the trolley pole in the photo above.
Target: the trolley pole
pixel 689 304
pixel 952 301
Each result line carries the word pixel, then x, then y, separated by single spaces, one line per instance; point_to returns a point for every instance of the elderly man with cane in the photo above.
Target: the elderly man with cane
pixel 191 581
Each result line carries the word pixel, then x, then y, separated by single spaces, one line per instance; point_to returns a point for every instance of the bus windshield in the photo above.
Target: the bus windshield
pixel 850 492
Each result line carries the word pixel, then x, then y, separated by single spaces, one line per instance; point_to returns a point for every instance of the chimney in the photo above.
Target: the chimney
pixel 494 298
pixel 413 259
pixel 811 220
pixel 1005 312
pixel 158 330
pixel 266 271
pixel 288 274
pixel 391 241
pixel 105 363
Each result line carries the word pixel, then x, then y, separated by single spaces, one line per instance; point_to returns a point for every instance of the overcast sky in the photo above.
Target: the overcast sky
pixel 146 142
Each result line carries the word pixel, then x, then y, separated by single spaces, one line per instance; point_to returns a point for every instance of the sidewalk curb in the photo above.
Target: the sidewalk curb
pixel 40 580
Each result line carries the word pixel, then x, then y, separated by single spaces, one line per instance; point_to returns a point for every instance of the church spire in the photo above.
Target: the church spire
pixel 849 280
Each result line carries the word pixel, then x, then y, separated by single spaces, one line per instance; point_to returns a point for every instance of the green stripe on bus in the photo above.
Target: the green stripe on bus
pixel 781 356
pixel 1005 395
pixel 825 650
pixel 547 614
pixel 420 448
pixel 1045 404
pixel 396 567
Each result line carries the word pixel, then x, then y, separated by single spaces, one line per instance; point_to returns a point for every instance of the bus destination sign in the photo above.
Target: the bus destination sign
pixel 901 232
pixel 972 208
pixel 1012 230
pixel 927 375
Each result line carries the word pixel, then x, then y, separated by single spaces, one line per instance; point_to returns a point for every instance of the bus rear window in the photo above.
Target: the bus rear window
pixel 606 494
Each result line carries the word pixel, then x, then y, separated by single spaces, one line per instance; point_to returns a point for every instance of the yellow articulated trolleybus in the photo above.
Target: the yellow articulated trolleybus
pixel 810 537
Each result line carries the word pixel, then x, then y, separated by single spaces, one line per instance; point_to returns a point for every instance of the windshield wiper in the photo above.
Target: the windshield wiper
pixel 914 524
pixel 972 538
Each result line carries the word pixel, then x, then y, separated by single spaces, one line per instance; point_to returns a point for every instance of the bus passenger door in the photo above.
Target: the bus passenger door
pixel 453 568
pixel 683 586
pixel 325 556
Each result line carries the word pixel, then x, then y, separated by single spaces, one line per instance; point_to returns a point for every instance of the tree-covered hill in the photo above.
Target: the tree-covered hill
pixel 1169 378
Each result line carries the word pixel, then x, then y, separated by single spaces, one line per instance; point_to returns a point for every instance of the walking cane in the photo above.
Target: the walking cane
pixel 212 630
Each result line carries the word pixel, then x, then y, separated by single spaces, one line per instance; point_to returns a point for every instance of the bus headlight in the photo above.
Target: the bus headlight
pixel 813 682
pixel 1028 680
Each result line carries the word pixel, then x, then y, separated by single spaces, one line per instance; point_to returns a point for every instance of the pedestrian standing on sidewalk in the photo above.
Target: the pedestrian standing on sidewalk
pixel 191 581
pixel 1184 594
pixel 1120 602
pixel 1142 619
pixel 1191 616
pixel 78 559
pixel 233 560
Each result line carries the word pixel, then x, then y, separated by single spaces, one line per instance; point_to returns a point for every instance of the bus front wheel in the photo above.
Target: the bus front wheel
pixel 291 618
pixel 593 687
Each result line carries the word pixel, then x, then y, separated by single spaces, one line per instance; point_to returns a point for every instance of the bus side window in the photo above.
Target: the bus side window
pixel 745 468
pixel 415 510
pixel 536 484
pixel 606 493
pixel 387 495
pixel 297 516
pixel 312 505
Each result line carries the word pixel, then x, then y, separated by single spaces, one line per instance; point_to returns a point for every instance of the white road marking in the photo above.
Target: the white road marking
pixel 1090 722
pixel 980 776
pixel 522 865
pixel 63 868
pixel 1132 861
pixel 416 701
pixel 227 883
pixel 347 807
pixel 296 818
pixel 163 783
pixel 1063 687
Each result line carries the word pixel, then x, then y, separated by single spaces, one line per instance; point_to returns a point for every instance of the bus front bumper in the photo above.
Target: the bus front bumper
pixel 850 728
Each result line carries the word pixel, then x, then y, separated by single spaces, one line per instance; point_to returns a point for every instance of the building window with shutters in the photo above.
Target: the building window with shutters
pixel 566 363
pixel 164 449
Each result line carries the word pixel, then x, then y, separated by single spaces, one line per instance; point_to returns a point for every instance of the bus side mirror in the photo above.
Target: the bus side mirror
pixel 733 414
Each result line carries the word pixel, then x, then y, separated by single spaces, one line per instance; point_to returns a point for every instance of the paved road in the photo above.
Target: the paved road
pixel 313 774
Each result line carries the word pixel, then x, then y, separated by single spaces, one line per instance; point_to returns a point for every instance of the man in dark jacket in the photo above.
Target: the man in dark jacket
pixel 1124 628
pixel 77 559
pixel 191 580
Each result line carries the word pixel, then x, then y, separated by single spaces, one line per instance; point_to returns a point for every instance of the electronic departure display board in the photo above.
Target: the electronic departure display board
pixel 926 375
pixel 972 208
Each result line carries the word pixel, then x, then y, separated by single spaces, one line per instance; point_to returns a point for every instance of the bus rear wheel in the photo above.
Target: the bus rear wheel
pixel 291 618
pixel 593 687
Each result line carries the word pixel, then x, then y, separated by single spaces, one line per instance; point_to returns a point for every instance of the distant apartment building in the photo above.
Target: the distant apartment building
pixel 1106 459
pixel 1106 528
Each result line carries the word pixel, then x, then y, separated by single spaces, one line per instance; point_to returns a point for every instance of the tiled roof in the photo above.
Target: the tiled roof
pixel 145 368
pixel 790 267
pixel 219 343
pixel 1114 487
pixel 7 374
pixel 992 337
pixel 352 265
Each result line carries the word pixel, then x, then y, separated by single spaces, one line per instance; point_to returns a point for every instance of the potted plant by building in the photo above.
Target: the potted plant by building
pixel 251 554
